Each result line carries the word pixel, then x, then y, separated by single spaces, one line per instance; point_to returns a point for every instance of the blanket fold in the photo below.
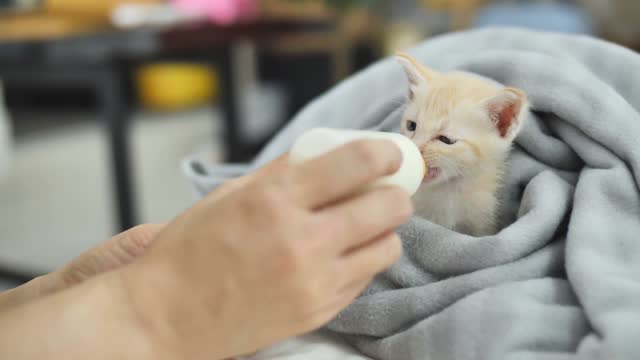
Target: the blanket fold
pixel 561 280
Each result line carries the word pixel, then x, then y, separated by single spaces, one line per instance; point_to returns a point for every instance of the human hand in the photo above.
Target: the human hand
pixel 271 255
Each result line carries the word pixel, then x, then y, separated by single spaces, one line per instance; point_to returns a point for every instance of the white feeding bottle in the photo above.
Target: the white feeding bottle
pixel 319 141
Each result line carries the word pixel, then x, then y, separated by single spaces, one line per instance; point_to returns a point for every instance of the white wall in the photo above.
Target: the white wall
pixel 57 199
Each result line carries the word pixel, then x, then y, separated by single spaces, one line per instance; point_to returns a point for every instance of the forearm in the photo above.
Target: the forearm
pixel 90 321
pixel 33 290
pixel 21 294
pixel 134 312
pixel 112 254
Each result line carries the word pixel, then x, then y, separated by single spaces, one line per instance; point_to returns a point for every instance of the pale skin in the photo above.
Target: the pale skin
pixel 265 257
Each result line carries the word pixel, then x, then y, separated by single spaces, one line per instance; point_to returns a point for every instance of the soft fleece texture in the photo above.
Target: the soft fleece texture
pixel 562 279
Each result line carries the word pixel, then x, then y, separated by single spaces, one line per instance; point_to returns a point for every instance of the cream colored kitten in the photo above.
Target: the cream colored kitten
pixel 465 126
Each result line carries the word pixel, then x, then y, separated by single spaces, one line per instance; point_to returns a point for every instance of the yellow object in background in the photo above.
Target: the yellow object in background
pixel 174 86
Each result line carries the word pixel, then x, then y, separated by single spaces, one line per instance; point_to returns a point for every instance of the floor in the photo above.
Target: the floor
pixel 56 200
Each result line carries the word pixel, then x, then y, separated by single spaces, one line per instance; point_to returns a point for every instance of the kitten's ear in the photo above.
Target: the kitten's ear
pixel 507 110
pixel 417 74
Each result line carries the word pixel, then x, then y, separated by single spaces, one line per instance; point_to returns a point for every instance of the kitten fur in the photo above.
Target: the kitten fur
pixel 464 126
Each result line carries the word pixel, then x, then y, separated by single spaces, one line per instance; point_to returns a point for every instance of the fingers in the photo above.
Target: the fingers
pixel 368 216
pixel 274 168
pixel 373 258
pixel 354 289
pixel 342 299
pixel 347 295
pixel 342 172
pixel 330 177
pixel 361 265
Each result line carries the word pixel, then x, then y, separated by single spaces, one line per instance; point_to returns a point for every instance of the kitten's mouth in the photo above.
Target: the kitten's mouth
pixel 432 173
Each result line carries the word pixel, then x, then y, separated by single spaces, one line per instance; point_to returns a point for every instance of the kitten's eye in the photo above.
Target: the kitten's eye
pixel 446 140
pixel 411 126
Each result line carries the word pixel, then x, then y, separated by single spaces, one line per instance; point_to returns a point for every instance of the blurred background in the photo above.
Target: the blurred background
pixel 100 100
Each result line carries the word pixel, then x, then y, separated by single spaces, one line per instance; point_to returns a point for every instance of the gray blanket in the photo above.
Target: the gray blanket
pixel 562 279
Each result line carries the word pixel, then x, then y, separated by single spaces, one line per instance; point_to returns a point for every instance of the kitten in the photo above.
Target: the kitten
pixel 464 126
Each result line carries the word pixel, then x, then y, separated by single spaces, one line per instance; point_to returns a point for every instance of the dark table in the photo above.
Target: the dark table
pixel 103 63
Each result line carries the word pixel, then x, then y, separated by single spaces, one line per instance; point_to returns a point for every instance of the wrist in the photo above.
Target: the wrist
pixel 173 312
pixel 119 326
pixel 144 314
pixel 190 317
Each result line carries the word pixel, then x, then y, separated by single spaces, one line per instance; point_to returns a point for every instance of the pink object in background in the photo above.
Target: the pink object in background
pixel 222 12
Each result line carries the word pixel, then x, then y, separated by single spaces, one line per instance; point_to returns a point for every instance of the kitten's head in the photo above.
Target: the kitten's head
pixel 460 122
